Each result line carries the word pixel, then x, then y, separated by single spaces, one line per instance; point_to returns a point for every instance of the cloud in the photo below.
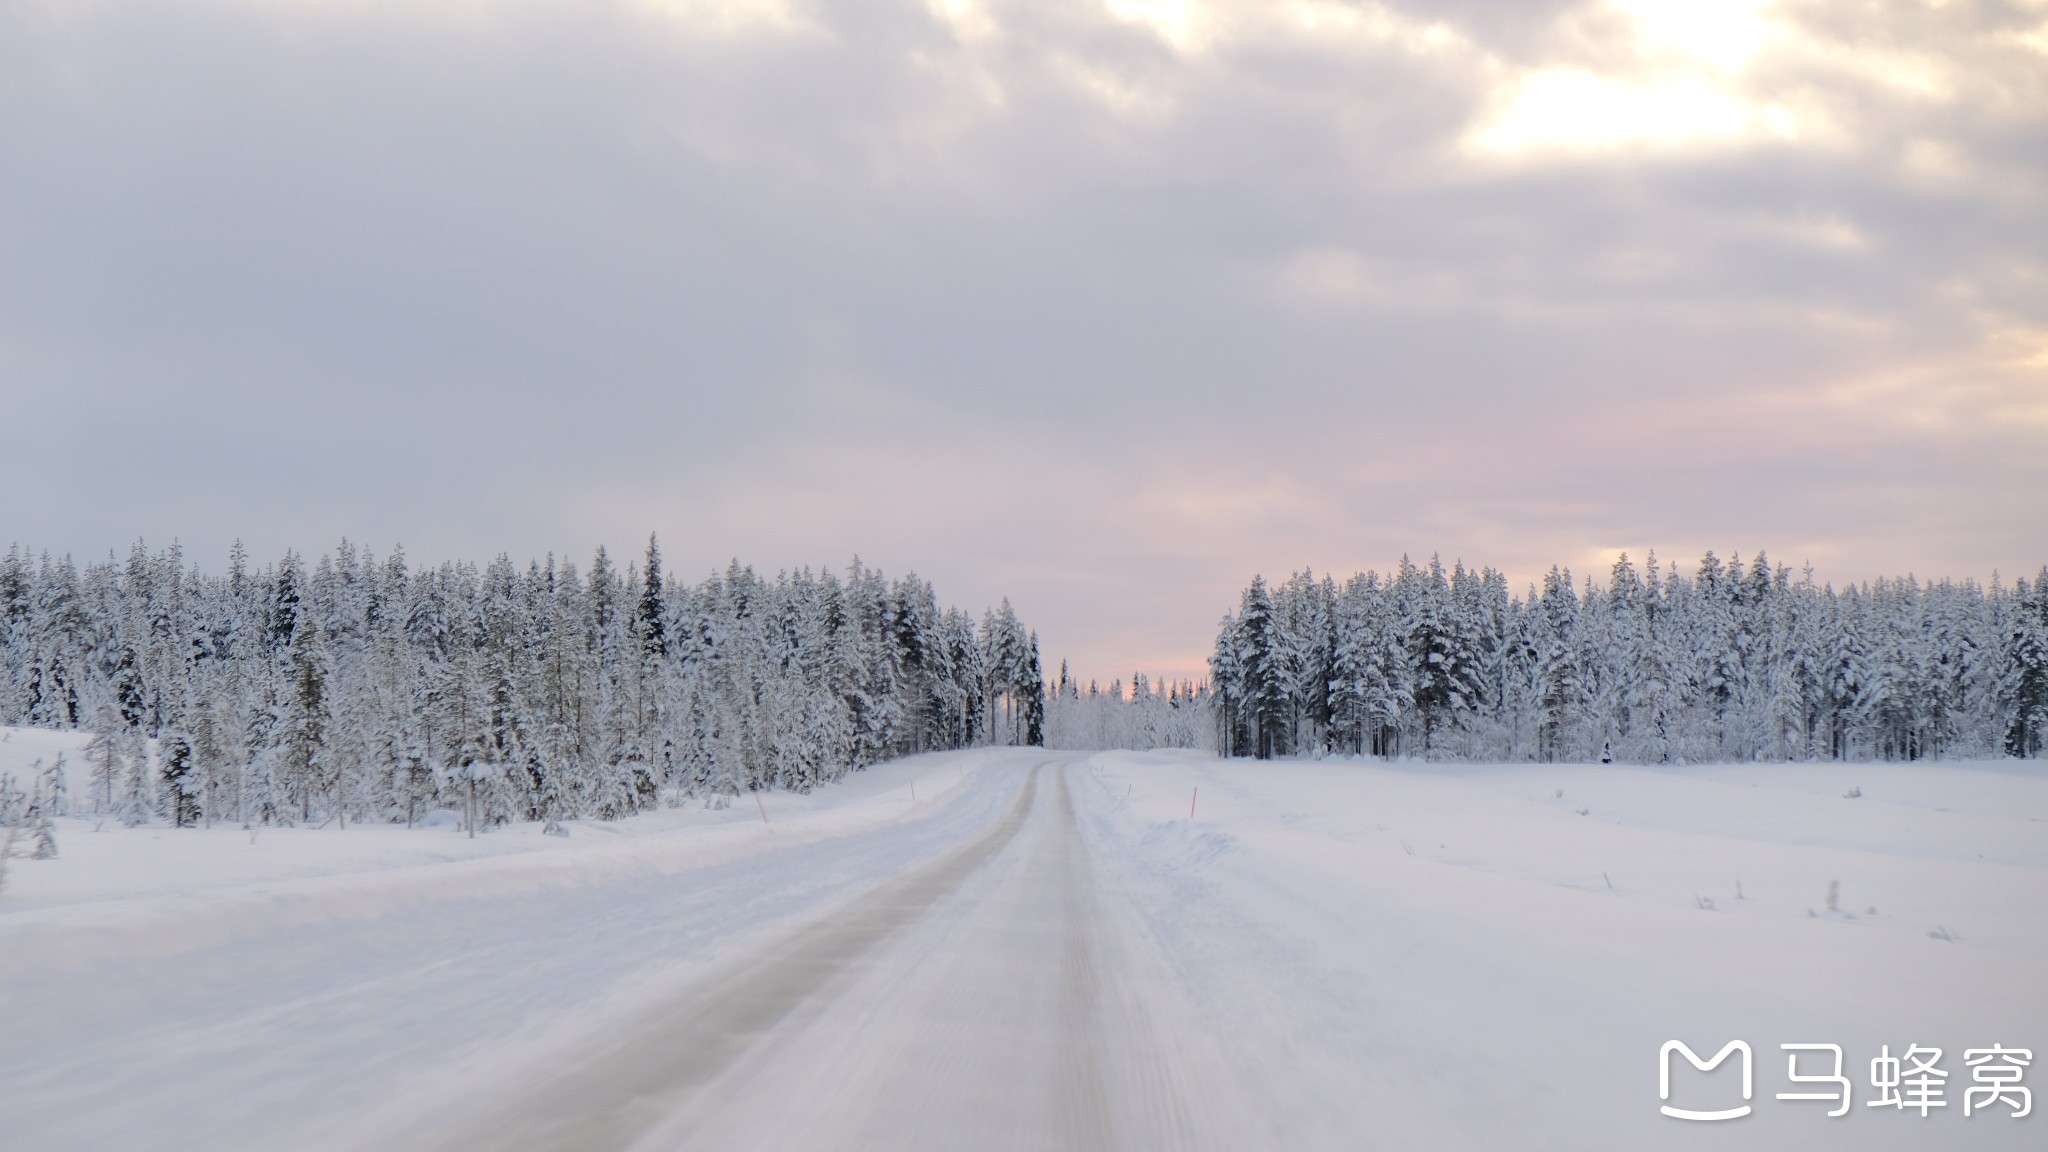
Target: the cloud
pixel 1100 306
pixel 1572 110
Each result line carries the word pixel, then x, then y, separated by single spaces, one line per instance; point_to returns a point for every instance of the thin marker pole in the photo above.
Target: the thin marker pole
pixel 1191 802
pixel 762 807
pixel 913 791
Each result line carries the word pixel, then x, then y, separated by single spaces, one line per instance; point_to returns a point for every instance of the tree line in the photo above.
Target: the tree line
pixel 1154 714
pixel 1729 663
pixel 358 688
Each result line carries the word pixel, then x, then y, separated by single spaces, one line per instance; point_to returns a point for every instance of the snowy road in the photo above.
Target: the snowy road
pixel 1012 949
pixel 882 973
pixel 980 1000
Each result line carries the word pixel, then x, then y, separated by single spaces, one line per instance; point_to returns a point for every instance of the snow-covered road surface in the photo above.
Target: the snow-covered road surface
pixel 882 973
pixel 980 1000
pixel 1023 949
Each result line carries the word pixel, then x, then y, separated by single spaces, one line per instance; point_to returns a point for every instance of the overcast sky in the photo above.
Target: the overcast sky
pixel 1100 306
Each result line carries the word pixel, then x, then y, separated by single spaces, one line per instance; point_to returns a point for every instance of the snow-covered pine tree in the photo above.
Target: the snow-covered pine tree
pixel 1034 695
pixel 1262 690
pixel 305 763
pixel 2022 691
pixel 104 752
pixel 181 791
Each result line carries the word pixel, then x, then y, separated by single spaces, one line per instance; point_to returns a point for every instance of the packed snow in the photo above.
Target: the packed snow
pixel 1018 948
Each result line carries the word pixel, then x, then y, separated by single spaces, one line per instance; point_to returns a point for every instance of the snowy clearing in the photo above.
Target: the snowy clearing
pixel 1044 950
pixel 1453 956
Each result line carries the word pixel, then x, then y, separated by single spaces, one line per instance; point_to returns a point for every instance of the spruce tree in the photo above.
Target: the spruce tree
pixel 1034 696
pixel 181 792
pixel 305 765
pixel 649 615
pixel 2024 680
pixel 1263 692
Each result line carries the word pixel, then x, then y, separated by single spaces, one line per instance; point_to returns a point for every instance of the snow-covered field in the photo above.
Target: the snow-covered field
pixel 1043 950
pixel 1466 956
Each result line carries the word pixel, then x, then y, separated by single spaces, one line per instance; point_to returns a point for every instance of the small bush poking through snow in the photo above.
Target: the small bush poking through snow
pixel 25 826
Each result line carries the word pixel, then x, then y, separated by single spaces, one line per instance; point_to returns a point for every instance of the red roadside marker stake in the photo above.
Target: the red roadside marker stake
pixel 1191 803
pixel 762 807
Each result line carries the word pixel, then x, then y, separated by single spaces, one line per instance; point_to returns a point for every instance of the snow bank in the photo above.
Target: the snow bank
pixel 162 888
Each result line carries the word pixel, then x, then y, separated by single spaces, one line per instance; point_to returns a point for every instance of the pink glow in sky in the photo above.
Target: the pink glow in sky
pixel 1100 306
